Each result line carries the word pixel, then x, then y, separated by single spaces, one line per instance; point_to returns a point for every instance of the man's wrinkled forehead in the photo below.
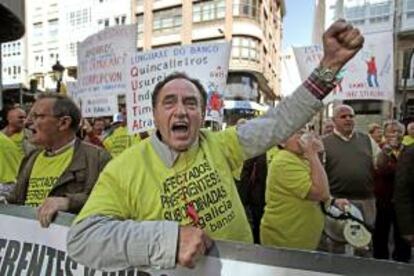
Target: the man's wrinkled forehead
pixel 178 86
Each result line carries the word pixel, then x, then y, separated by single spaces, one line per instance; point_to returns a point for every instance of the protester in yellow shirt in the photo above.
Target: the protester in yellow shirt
pixel 10 158
pixel 60 175
pixel 296 183
pixel 160 202
pixel 15 129
pixel 118 137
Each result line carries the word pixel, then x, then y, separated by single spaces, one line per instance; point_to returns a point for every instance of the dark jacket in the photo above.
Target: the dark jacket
pixel 75 183
pixel 404 192
pixel 385 174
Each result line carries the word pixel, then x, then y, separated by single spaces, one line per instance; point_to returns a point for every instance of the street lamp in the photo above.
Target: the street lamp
pixel 58 74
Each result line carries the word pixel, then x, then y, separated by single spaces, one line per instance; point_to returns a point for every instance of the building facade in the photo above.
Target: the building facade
pixel 383 16
pixel 54 28
pixel 253 26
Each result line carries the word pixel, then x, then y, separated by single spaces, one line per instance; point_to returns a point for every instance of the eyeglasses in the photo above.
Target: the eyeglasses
pixel 35 116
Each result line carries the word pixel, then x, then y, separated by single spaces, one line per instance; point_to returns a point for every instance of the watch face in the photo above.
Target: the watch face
pixel 327 75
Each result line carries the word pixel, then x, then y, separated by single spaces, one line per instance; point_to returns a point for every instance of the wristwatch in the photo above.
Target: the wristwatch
pixel 325 75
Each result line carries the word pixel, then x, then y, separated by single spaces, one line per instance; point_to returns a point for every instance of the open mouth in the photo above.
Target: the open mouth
pixel 32 129
pixel 180 128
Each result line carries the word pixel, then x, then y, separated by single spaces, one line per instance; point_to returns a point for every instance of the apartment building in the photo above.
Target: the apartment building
pixel 253 26
pixel 54 28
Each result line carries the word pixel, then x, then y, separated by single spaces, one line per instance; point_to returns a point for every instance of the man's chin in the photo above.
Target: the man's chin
pixel 181 146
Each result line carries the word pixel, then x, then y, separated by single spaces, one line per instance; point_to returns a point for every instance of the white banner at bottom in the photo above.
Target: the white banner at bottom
pixel 28 249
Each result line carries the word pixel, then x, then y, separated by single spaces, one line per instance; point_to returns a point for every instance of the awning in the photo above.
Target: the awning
pixel 229 104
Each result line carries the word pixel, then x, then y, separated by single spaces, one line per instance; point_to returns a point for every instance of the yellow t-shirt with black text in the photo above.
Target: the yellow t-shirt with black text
pixel 120 140
pixel 10 158
pixel 45 172
pixel 289 219
pixel 138 185
pixel 17 138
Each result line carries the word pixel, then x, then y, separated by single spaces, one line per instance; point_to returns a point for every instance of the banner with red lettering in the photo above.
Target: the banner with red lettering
pixel 101 59
pixel 207 62
pixel 367 76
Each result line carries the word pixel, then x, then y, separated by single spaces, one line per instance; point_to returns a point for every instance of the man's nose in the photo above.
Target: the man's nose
pixel 181 109
pixel 28 121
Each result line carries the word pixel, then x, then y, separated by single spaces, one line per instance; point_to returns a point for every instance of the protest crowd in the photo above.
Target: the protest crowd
pixel 160 198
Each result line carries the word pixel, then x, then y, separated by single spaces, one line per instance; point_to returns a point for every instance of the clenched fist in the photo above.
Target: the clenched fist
pixel 341 41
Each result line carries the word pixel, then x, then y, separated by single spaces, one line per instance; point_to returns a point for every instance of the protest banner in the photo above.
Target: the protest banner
pixel 207 62
pixel 28 249
pixel 73 91
pixel 101 59
pixel 99 106
pixel 367 76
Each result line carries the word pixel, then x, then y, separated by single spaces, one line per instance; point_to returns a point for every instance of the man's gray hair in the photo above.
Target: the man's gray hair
pixel 396 123
pixel 340 107
pixel 64 106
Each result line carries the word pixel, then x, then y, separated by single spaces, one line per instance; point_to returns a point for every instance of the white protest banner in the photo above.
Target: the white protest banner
pixel 28 249
pixel 307 59
pixel 99 106
pixel 207 62
pixel 368 76
pixel 101 59
pixel 73 91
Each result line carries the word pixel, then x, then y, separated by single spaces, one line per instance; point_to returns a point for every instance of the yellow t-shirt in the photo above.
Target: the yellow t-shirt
pixel 408 140
pixel 17 138
pixel 10 158
pixel 290 220
pixel 271 153
pixel 137 185
pixel 45 172
pixel 120 140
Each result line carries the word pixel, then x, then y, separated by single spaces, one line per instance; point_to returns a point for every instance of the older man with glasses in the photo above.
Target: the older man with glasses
pixel 60 175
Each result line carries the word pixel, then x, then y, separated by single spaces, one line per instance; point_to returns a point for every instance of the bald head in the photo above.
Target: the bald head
pixel 15 119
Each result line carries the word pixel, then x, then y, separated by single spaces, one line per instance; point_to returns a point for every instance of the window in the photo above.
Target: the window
pixel 53 28
pixel 246 48
pixel 355 12
pixel 72 47
pixel 37 30
pixel 357 22
pixel 140 25
pixel 167 20
pixel 410 9
pixel 209 10
pixel 79 18
pixel 247 8
pixel 39 60
pixel 380 12
pixel 120 20
pixel 106 22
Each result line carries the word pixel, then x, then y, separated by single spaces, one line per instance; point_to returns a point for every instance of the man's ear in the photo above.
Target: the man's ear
pixel 65 122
